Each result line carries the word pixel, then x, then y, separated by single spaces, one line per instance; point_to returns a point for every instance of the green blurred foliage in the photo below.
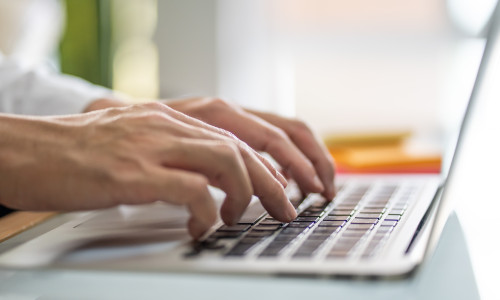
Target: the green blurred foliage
pixel 85 47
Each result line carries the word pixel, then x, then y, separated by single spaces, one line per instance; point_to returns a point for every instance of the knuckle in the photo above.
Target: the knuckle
pixel 299 125
pixel 276 134
pixel 153 117
pixel 218 102
pixel 153 105
pixel 227 150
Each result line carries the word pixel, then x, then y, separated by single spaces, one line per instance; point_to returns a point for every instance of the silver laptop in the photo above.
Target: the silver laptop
pixel 377 226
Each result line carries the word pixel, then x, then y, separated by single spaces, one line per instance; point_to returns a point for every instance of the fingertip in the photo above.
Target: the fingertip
pixel 329 194
pixel 196 229
pixel 232 209
pixel 317 185
pixel 291 213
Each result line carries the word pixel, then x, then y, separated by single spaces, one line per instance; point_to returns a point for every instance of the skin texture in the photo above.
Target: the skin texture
pixel 154 152
pixel 290 141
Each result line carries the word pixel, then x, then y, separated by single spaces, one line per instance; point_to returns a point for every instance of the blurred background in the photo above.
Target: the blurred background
pixel 359 72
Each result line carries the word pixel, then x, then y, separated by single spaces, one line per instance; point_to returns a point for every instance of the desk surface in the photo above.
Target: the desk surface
pixel 448 274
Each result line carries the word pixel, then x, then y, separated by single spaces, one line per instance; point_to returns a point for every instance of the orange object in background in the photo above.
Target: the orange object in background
pixel 381 153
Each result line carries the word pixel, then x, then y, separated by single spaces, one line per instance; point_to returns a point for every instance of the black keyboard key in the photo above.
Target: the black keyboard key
pixel 271 227
pixel 285 238
pixel 341 212
pixel 274 248
pixel 240 249
pixel 260 233
pixel 234 228
pixel 331 223
pixel 336 218
pixel 251 240
pixel 225 235
pixel 311 214
pixel 318 236
pixel 359 226
pixel 299 224
pixel 292 231
pixel 306 219
pixel 326 230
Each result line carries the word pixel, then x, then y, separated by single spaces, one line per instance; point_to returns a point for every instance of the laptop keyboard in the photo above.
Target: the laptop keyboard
pixel 357 223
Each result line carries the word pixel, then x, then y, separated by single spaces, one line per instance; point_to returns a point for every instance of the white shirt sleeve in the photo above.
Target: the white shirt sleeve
pixel 38 92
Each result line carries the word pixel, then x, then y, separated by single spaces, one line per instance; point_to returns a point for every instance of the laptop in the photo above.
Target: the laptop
pixel 378 226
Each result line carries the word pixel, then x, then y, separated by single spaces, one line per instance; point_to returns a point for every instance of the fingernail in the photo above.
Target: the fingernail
pixel 318 185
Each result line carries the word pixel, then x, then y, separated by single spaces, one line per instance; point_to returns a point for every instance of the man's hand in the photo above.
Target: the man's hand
pixel 290 142
pixel 134 155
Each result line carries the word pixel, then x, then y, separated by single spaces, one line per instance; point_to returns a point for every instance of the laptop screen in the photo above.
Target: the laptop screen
pixel 478 145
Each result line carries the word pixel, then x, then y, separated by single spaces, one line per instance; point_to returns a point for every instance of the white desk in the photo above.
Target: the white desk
pixel 448 274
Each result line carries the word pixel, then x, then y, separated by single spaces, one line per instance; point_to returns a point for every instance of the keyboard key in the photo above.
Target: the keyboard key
pixel 240 249
pixel 338 253
pixel 237 227
pixel 306 219
pixel 259 233
pixel 307 248
pixel 385 229
pixel 346 207
pixel 389 223
pixel 373 210
pixel 299 224
pixel 392 218
pixel 358 220
pixel 369 216
pixel 273 249
pixel 336 218
pixel 331 223
pixel 251 240
pixel 292 231
pixel 354 233
pixel 312 214
pixel 359 226
pixel 341 213
pixel 226 235
pixel 270 222
pixel 318 236
pixel 396 211
pixel 266 227
pixel 326 230
pixel 285 238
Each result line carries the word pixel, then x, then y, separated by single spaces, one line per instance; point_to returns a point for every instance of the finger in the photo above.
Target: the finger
pixel 221 163
pixel 267 182
pixel 217 132
pixel 269 190
pixel 310 145
pixel 177 187
pixel 265 185
pixel 263 136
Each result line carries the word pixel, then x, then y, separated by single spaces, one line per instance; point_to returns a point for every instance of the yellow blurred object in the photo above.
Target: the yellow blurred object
pixel 380 153
pixel 365 139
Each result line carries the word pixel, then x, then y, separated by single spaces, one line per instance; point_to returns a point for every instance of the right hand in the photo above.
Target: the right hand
pixel 134 155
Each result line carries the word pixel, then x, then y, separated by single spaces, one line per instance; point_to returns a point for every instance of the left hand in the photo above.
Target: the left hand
pixel 289 141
